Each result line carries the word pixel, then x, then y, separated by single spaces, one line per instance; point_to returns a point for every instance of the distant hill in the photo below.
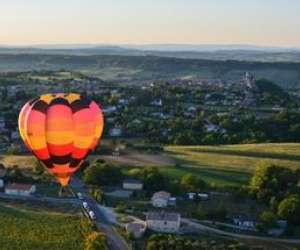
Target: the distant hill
pixel 208 52
pixel 142 69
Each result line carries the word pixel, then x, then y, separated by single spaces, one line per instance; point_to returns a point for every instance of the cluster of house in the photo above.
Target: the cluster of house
pixel 160 221
pixel 15 188
pixel 157 221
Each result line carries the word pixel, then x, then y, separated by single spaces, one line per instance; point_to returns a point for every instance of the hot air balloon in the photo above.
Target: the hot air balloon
pixel 61 130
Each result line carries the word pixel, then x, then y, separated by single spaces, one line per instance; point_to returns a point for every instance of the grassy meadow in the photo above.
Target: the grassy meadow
pixel 230 164
pixel 26 229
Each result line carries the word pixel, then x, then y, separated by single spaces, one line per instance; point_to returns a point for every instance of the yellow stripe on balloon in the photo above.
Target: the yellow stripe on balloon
pixel 72 97
pixel 83 141
pixel 37 142
pixel 59 137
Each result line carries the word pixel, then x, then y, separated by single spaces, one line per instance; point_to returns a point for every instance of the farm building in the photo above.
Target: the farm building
pixel 132 184
pixel 163 222
pixel 20 189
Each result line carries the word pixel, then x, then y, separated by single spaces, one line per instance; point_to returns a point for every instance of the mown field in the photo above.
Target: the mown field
pixel 25 229
pixel 230 164
pixel 23 161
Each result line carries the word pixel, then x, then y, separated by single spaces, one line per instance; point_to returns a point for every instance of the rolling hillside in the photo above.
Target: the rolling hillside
pixel 142 69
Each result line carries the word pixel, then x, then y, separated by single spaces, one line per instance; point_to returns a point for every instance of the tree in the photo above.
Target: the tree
pixel 199 213
pixel 191 183
pixel 95 241
pixel 97 193
pixel 102 174
pixel 12 150
pixel 154 180
pixel 272 181
pixel 289 209
pixel 267 220
pixel 136 172
pixel 38 169
pixel 273 204
pixel 16 175
pixel 220 213
pixel 86 227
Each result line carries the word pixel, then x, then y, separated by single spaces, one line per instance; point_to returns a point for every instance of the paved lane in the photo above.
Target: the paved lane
pixel 115 241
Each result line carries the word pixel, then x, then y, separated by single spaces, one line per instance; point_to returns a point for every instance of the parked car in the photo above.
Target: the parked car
pixel 85 205
pixel 79 195
pixel 92 215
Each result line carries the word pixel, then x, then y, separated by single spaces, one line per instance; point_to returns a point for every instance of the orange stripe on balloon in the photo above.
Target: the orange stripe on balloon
pixel 59 118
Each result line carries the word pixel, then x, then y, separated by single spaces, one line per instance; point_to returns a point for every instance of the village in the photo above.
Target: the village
pixel 155 111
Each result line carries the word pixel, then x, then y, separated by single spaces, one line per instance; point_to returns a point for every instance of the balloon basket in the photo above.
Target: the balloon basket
pixel 65 191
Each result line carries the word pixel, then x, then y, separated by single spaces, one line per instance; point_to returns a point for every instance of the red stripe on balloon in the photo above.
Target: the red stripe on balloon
pixel 60 150
pixel 79 153
pixel 41 154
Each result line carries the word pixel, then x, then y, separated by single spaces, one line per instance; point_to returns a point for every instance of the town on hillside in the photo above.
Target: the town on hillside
pixel 247 110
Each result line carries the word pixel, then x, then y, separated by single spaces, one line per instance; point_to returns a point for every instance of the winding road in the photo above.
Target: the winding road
pixel 115 241
pixel 103 223
pixel 204 228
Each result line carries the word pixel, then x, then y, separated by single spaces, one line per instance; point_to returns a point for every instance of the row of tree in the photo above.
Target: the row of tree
pixel 102 174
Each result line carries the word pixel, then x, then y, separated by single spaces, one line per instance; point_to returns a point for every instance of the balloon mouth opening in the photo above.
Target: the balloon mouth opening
pixel 64 181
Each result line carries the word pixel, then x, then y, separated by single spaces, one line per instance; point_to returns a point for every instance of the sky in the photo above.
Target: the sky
pixel 255 22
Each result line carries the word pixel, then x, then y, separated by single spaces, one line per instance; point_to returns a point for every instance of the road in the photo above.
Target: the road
pixel 40 198
pixel 115 241
pixel 205 228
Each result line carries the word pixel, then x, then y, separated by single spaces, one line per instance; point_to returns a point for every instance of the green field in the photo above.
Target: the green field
pixel 25 229
pixel 221 165
pixel 230 164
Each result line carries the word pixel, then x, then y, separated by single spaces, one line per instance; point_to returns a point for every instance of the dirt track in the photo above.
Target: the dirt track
pixel 135 158
pixel 130 158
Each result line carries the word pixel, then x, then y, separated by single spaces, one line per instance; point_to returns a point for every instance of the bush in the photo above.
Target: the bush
pixel 267 220
pixel 95 241
pixel 289 209
pixel 192 183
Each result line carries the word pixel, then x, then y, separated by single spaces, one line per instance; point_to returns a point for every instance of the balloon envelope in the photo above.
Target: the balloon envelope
pixel 61 130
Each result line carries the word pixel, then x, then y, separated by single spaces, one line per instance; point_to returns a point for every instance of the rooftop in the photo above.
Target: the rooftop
pixel 161 195
pixel 19 186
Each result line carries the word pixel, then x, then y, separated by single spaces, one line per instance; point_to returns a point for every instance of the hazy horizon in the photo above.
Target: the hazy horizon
pixel 137 22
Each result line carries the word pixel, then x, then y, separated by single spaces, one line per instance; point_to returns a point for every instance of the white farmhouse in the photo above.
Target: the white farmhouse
pixel 160 199
pixel 20 189
pixel 163 222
